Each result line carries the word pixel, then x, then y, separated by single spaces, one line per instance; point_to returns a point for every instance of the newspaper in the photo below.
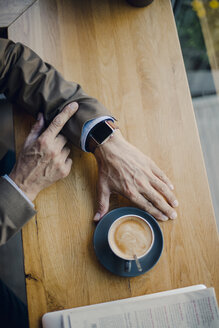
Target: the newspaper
pixel 186 310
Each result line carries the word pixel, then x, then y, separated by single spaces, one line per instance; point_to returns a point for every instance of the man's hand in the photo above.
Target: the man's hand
pixel 44 157
pixel 125 170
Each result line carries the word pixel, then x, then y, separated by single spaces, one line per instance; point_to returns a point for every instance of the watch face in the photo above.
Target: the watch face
pixel 101 132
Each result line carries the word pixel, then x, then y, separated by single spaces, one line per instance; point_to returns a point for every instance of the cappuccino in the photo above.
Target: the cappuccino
pixel 130 235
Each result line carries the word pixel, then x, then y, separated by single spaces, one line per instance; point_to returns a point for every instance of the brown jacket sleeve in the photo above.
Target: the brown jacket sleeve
pixel 36 86
pixel 15 211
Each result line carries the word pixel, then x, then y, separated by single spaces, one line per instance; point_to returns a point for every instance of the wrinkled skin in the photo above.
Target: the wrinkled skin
pixel 43 159
pixel 122 169
pixel 125 170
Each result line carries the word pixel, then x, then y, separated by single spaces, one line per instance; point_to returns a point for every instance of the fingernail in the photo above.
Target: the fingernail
pixel 164 218
pixel 173 216
pixel 175 203
pixel 171 187
pixel 97 217
pixel 73 105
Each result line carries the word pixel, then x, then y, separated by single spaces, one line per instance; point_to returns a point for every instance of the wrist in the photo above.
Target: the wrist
pixel 100 134
pixel 111 145
pixel 30 194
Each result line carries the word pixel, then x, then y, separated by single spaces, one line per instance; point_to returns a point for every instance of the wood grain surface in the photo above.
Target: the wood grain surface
pixel 130 59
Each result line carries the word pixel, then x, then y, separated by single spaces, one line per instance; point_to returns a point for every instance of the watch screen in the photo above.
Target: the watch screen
pixel 101 132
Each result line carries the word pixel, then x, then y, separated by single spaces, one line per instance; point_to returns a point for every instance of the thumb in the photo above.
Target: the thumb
pixel 103 202
pixel 36 130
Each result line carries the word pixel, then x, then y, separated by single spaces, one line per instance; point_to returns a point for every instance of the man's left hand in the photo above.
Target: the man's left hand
pixel 125 170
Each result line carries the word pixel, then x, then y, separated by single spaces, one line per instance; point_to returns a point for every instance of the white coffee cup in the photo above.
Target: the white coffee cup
pixel 130 236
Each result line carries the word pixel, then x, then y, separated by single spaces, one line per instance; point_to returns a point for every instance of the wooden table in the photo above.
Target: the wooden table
pixel 130 59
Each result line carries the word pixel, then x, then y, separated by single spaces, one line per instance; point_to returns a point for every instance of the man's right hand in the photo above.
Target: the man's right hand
pixel 44 157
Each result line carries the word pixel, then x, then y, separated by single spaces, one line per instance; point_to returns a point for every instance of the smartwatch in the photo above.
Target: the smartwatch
pixel 100 134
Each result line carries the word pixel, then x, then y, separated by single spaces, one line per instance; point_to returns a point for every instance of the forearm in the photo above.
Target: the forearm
pixel 36 86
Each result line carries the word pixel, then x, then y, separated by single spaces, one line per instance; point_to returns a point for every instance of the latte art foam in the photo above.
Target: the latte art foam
pixel 130 235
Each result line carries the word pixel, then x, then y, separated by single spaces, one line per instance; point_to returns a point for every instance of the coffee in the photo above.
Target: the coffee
pixel 129 236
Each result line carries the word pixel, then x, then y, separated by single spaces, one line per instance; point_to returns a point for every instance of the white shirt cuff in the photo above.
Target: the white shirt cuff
pixel 89 126
pixel 6 177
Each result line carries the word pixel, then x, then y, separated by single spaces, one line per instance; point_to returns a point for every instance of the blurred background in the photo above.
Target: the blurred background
pixel 197 23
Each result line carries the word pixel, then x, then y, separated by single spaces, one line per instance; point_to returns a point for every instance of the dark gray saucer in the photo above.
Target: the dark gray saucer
pixel 113 263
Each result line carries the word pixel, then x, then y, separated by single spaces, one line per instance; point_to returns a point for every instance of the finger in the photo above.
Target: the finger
pixel 68 165
pixel 103 201
pixel 65 152
pixel 36 130
pixel 161 187
pixel 162 176
pixel 158 201
pixel 60 142
pixel 146 205
pixel 64 168
pixel 59 121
